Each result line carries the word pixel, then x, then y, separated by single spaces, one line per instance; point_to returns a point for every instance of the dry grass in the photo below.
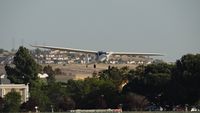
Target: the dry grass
pixel 77 71
pixel 80 71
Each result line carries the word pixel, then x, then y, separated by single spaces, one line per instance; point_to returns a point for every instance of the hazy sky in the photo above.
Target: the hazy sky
pixel 171 27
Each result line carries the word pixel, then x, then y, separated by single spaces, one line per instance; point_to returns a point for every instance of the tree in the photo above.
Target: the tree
pixel 29 105
pixel 99 93
pixel 93 93
pixel 38 51
pixel 115 75
pixel 44 96
pixel 51 74
pixel 78 90
pixel 135 102
pixel 1 104
pixel 12 102
pixel 1 51
pixel 56 92
pixel 185 79
pixel 38 94
pixel 150 81
pixel 67 104
pixel 25 68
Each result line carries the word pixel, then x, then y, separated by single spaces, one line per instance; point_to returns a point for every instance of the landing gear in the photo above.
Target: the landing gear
pixel 109 67
pixel 94 66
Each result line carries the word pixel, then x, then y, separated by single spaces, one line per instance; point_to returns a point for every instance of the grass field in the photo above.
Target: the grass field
pixel 80 71
pixel 77 71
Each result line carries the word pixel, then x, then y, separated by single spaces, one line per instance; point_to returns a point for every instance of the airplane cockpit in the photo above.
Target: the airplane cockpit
pixel 99 53
pixel 101 56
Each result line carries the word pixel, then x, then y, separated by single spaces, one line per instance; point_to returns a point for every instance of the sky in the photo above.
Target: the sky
pixel 170 27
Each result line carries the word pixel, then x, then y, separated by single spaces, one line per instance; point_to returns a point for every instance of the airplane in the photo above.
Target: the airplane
pixel 100 56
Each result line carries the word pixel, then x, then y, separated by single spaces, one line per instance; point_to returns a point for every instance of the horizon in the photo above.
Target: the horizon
pixel 168 27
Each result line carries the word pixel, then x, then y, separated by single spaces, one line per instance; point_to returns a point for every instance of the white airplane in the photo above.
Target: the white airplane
pixel 100 56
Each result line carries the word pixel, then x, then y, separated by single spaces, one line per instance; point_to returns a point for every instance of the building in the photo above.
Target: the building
pixel 22 89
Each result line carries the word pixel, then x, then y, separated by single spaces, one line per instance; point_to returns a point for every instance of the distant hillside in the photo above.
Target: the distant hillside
pixel 2 51
pixel 77 71
pixel 80 71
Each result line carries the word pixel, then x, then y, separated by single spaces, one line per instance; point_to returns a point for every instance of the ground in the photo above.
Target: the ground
pixel 80 71
pixel 77 71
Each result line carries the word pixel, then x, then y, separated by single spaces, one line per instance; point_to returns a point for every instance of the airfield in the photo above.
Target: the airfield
pixel 80 71
pixel 77 71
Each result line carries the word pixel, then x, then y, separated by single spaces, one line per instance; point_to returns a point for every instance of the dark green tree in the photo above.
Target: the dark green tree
pixel 185 79
pixel 78 91
pixel 135 102
pixel 1 104
pixel 25 69
pixel 12 102
pixel 99 94
pixel 51 74
pixel 1 51
pixel 38 51
pixel 38 94
pixel 150 81
pixel 93 93
pixel 115 75
pixel 56 92
pixel 66 104
pixel 29 105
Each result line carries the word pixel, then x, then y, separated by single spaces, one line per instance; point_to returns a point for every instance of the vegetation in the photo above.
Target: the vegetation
pixel 185 79
pixel 51 74
pixel 157 84
pixel 11 102
pixel 25 68
pixel 1 104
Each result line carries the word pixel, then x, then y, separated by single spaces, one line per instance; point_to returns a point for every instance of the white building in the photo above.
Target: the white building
pixel 22 89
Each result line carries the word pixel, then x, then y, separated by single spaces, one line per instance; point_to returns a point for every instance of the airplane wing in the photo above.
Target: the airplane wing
pixel 65 49
pixel 136 54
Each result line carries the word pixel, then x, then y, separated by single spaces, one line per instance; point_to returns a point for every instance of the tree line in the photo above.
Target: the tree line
pixel 158 84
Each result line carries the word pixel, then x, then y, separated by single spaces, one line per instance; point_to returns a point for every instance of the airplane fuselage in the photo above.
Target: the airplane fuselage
pixel 101 56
